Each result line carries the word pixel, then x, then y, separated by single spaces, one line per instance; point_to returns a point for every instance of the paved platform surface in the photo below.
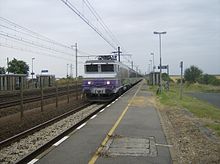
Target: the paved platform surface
pixel 127 131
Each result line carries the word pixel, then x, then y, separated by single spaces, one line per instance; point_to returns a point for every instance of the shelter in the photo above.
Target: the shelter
pixel 154 78
pixel 10 82
pixel 45 80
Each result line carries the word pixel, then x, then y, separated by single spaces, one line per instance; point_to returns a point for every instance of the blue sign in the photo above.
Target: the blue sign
pixel 44 71
pixel 163 67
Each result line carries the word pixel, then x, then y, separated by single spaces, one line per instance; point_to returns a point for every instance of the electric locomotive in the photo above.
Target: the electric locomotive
pixel 105 78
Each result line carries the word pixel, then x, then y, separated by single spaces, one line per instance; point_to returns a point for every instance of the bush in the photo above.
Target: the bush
pixel 2 70
pixel 165 77
pixel 209 79
pixel 179 81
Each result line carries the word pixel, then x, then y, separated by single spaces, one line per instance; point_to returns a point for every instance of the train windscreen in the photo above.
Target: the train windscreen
pixel 107 68
pixel 92 68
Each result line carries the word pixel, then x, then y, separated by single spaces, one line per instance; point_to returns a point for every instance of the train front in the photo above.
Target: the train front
pixel 100 82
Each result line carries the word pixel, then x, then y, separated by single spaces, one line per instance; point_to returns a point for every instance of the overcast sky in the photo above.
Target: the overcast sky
pixel 192 26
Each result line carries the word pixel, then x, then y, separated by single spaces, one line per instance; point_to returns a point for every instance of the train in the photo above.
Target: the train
pixel 106 78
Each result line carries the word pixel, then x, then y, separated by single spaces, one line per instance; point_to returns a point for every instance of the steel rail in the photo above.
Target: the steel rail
pixel 11 103
pixel 42 125
pixel 47 145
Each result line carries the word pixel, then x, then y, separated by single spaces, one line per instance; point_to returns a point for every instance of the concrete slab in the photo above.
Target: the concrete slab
pixel 127 146
pixel 140 122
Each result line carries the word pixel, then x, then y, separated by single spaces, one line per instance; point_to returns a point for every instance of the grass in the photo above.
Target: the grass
pixel 201 88
pixel 199 108
pixel 64 81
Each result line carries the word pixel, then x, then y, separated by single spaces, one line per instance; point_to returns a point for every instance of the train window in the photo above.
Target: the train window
pixel 107 68
pixel 92 68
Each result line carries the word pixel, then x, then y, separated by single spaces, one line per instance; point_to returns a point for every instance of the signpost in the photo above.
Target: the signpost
pixel 44 71
pixel 163 67
pixel 181 81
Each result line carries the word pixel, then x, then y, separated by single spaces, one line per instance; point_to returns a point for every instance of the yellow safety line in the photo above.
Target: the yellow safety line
pixel 96 155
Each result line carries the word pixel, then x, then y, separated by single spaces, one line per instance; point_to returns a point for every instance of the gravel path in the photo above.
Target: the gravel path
pixel 26 145
pixel 212 98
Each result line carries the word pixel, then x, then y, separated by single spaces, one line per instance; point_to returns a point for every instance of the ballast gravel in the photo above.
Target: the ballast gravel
pixel 17 150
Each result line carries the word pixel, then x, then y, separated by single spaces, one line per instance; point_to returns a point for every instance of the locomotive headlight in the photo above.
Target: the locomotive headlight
pixel 89 82
pixel 108 82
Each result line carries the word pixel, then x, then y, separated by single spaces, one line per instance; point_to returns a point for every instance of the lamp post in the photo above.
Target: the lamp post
pixel 150 65
pixel 150 70
pixel 160 82
pixel 136 70
pixel 76 60
pixel 153 66
pixel 76 57
pixel 32 71
pixel 67 66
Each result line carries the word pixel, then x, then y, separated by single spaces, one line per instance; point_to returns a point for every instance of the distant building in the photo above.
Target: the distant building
pixel 154 76
pixel 10 82
pixel 45 80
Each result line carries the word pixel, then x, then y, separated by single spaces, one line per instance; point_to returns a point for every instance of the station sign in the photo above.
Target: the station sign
pixel 163 67
pixel 44 71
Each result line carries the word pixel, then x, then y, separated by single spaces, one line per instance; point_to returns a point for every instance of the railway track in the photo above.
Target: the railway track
pixel 32 98
pixel 87 110
pixel 40 126
pixel 27 149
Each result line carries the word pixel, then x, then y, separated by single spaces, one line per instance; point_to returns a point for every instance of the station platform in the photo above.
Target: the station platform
pixel 127 131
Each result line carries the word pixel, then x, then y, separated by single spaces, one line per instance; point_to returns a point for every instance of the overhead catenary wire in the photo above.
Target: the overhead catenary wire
pixel 31 33
pixel 25 31
pixel 100 20
pixel 36 52
pixel 116 43
pixel 34 35
pixel 28 45
pixel 32 43
pixel 31 51
pixel 77 12
pixel 105 27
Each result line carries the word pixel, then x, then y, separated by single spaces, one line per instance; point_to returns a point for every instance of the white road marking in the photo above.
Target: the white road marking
pixel 116 99
pixel 108 105
pixel 101 110
pixel 163 145
pixel 93 117
pixel 33 161
pixel 60 141
pixel 79 127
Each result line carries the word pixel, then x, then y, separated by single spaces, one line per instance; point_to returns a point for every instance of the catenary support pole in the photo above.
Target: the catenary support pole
pixel 181 80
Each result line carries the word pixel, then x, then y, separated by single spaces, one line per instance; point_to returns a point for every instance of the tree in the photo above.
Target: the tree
pixel 192 74
pixel 18 67
pixel 2 70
